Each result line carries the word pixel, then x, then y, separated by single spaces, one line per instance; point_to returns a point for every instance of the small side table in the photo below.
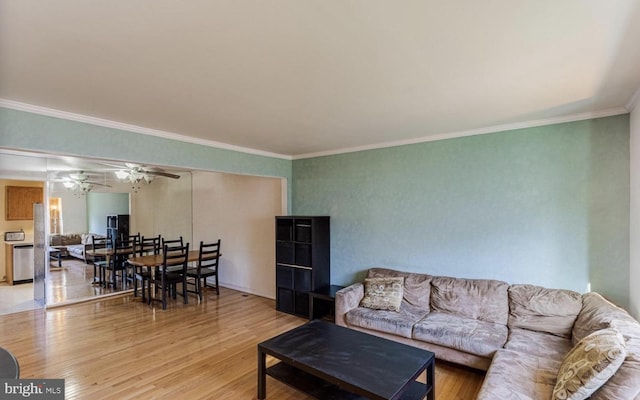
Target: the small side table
pixel 56 254
pixel 326 294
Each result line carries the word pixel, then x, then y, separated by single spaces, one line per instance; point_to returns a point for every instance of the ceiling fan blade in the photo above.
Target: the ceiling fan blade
pixel 99 184
pixel 161 173
pixel 112 167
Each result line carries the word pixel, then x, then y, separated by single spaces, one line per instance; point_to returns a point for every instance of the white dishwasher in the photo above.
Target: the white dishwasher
pixel 22 263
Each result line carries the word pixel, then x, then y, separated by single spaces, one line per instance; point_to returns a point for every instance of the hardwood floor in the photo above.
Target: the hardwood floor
pixel 72 282
pixel 122 349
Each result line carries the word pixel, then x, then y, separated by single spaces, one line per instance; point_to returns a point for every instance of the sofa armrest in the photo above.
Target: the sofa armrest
pixel 348 299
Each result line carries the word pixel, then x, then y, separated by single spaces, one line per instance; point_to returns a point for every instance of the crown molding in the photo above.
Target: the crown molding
pixel 14 105
pixel 472 132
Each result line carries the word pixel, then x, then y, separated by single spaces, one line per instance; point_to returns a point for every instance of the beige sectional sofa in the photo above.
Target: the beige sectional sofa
pixel 74 244
pixel 519 334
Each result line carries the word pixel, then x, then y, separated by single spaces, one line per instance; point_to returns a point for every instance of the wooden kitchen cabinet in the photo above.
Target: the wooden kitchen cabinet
pixel 20 200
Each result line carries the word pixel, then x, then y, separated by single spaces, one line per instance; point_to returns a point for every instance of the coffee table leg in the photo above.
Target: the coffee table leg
pixel 431 380
pixel 262 375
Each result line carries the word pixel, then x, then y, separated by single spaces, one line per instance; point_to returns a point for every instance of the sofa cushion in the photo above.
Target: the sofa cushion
pixel 398 323
pixel 481 299
pixel 539 344
pixel 589 365
pixel 543 310
pixel 71 238
pixel 417 287
pixel 519 376
pixel 383 293
pixel 469 335
pixel 76 250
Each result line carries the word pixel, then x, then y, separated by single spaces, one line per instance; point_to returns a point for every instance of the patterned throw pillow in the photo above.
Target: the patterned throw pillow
pixel 383 293
pixel 589 365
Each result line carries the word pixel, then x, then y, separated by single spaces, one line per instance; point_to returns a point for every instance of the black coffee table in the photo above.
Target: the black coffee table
pixel 328 361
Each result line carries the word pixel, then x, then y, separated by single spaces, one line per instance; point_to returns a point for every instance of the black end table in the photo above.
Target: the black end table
pixel 327 294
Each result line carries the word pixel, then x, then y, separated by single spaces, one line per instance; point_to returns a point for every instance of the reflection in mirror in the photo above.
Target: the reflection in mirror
pixel 17 169
pixel 159 205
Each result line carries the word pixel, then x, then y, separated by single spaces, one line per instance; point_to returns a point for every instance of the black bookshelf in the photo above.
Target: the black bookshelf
pixel 302 261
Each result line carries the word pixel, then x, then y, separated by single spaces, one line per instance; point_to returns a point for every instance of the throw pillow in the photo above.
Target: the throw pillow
pixel 589 365
pixel 383 293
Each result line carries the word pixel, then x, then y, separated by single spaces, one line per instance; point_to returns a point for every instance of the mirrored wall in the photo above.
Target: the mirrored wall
pixel 79 195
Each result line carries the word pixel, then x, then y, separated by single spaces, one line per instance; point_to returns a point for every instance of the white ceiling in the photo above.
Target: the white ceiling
pixel 299 77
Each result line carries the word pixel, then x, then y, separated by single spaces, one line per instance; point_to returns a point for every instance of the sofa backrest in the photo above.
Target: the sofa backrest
pixel 481 299
pixel 598 313
pixel 87 238
pixel 417 287
pixel 65 240
pixel 540 309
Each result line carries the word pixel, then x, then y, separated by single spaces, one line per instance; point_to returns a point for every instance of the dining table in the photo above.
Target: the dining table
pixel 155 262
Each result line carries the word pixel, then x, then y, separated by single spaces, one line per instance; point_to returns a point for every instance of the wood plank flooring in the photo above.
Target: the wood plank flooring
pixel 72 282
pixel 122 349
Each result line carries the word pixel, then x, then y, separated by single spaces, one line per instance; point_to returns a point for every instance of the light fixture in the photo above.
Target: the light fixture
pixel 79 187
pixel 122 175
pixel 137 173
pixel 79 183
pixel 133 176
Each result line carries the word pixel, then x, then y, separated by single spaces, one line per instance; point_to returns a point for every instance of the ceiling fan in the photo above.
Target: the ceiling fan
pixel 79 181
pixel 136 172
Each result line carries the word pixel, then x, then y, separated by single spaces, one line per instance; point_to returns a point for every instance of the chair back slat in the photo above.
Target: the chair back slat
pixel 209 255
pixel 100 242
pixel 149 245
pixel 175 257
pixel 172 242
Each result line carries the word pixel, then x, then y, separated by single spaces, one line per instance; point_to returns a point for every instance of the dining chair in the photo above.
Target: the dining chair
pixel 132 240
pixel 172 272
pixel 99 262
pixel 123 248
pixel 206 267
pixel 147 246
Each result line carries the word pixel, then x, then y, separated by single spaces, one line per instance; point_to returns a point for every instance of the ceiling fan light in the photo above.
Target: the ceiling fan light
pixel 78 177
pixel 68 184
pixel 135 176
pixel 122 174
pixel 149 178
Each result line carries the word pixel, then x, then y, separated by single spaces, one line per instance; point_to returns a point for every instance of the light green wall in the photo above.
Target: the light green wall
pixel 99 205
pixel 546 205
pixel 28 131
pixel 634 262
